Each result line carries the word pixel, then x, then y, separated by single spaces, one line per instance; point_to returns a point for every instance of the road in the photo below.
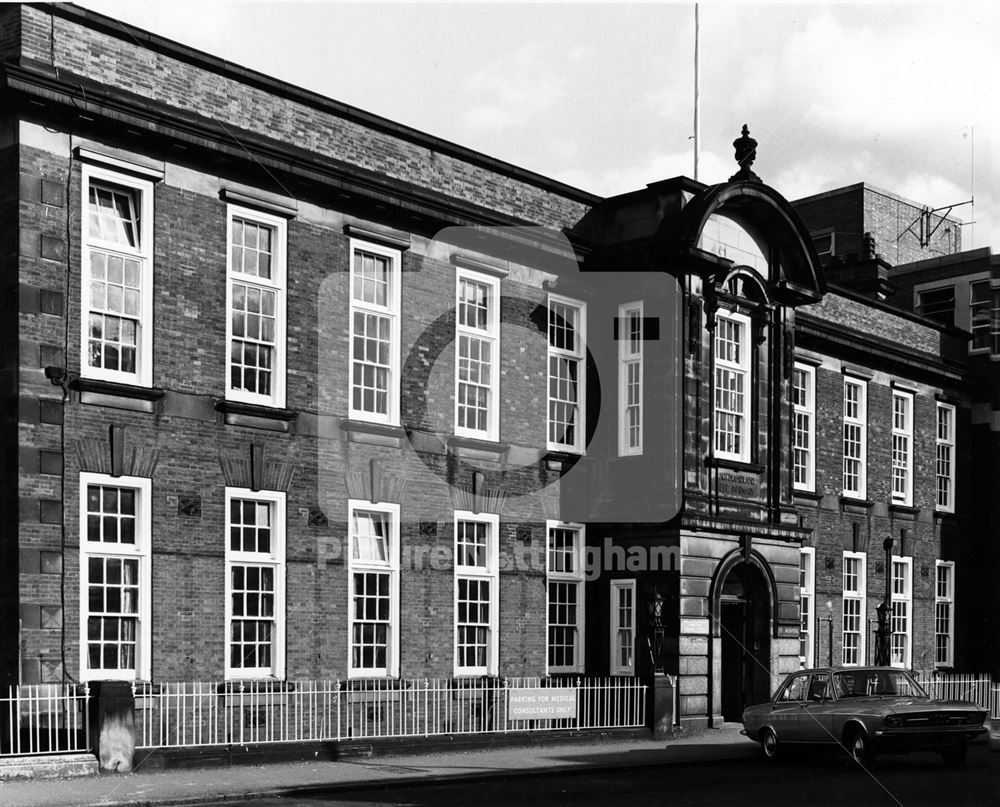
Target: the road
pixel 916 780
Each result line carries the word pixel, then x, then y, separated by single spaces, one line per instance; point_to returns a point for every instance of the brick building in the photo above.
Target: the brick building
pixel 183 503
pixel 959 290
pixel 917 275
pixel 904 230
pixel 293 391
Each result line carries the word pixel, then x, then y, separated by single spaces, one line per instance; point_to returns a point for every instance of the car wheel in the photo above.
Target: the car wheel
pixel 769 744
pixel 859 747
pixel 954 757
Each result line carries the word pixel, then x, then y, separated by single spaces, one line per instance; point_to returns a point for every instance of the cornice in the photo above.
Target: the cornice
pixel 810 329
pixel 252 78
pixel 86 98
pixel 38 82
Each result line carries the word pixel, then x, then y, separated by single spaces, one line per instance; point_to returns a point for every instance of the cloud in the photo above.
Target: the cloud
pixel 513 90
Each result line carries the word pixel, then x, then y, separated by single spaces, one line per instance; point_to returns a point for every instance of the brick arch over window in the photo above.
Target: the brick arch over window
pixel 756 561
pixel 796 275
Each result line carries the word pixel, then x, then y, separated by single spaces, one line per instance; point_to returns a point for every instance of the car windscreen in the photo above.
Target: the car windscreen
pixel 869 683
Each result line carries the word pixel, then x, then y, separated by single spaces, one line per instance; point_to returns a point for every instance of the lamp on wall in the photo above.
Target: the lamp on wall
pixel 829 633
pixel 654 609
pixel 883 633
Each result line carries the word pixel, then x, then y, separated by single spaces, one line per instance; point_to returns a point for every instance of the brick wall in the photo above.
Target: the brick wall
pixel 10 29
pixel 835 522
pixel 188 551
pixel 8 396
pixel 42 250
pixel 862 318
pixel 192 86
pixel 852 211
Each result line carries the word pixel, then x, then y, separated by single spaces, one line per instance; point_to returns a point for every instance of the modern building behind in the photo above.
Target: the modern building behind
pixel 293 391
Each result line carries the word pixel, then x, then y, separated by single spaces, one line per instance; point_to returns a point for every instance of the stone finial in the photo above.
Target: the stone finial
pixel 746 153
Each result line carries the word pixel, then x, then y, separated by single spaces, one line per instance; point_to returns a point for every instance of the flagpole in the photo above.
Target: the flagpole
pixel 697 101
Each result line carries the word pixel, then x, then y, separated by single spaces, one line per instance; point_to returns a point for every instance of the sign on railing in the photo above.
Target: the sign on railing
pixel 537 703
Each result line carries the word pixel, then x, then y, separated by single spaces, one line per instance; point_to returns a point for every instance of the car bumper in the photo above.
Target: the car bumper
pixel 912 740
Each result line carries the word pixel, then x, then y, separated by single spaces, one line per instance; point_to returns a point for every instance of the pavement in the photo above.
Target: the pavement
pixel 245 782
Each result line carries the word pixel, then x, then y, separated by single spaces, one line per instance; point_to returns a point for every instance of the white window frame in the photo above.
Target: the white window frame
pixel 572 577
pixel 859 595
pixel 742 368
pixel 902 447
pixel 488 572
pixel 491 335
pixel 390 567
pixel 578 355
pixel 277 285
pixel 976 328
pixel 858 422
pixel 274 559
pixel 818 235
pixel 944 602
pixel 807 613
pixel 142 190
pixel 631 372
pixel 901 615
pixel 804 428
pixel 945 457
pixel 390 311
pixel 140 551
pixel 920 306
pixel 616 629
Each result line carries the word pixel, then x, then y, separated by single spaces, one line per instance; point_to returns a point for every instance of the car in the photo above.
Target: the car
pixel 868 711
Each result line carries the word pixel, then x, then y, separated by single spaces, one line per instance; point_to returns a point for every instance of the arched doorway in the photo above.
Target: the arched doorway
pixel 744 622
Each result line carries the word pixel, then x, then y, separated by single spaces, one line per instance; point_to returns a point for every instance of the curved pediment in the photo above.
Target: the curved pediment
pixel 789 262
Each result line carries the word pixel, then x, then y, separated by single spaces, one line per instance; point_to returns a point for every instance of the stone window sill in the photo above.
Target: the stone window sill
pixel 363 431
pixel 735 465
pixel 114 394
pixel 474 448
pixel 256 416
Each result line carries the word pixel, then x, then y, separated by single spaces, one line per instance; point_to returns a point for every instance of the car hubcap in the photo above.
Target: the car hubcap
pixel 858 749
pixel 769 744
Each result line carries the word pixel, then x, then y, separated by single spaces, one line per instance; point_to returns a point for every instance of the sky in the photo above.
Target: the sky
pixel 601 95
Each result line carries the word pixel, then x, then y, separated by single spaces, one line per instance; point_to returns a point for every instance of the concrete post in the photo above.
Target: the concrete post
pixel 112 725
pixel 663 707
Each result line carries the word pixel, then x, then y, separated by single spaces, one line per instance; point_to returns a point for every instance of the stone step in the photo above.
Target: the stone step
pixel 48 766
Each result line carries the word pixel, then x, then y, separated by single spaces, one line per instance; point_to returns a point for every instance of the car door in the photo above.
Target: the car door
pixel 816 720
pixel 787 709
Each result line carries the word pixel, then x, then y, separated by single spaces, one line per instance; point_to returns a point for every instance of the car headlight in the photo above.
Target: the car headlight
pixel 893 721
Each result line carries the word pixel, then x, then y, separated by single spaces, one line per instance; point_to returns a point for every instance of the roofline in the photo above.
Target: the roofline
pixel 679 183
pixel 826 194
pixel 197 58
pixel 867 186
pixel 904 313
pixel 954 259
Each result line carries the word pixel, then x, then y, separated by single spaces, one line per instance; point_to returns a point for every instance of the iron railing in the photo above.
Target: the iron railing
pixel 44 719
pixel 979 689
pixel 171 715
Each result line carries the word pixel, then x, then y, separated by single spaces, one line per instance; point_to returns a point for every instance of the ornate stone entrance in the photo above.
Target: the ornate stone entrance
pixel 744 619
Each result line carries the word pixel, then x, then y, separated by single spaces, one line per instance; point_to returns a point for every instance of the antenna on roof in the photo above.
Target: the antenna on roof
pixel 972 186
pixel 927 226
